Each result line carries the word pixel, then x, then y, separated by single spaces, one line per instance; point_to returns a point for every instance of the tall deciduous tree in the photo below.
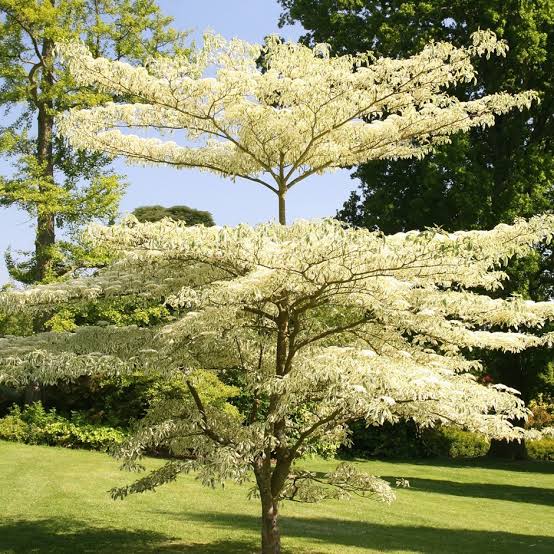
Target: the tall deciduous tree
pixel 302 113
pixel 56 184
pixel 319 324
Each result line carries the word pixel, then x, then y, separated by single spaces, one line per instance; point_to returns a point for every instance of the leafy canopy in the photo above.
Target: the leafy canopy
pixel 482 178
pixel 304 112
pixel 485 177
pixel 190 216
pixel 319 323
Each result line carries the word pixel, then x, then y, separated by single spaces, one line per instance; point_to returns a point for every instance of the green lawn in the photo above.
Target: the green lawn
pixel 55 500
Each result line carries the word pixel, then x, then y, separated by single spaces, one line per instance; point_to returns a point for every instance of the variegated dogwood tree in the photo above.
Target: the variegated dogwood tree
pixel 275 122
pixel 287 333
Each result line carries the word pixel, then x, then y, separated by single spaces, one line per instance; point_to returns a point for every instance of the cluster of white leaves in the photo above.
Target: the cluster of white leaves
pixel 300 112
pixel 49 358
pixel 319 323
pixel 289 332
pixel 535 434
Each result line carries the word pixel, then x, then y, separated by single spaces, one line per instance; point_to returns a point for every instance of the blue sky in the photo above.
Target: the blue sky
pixel 229 202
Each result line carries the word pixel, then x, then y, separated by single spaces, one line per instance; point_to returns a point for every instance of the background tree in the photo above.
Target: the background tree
pixel 486 176
pixel 482 178
pixel 58 185
pixel 302 113
pixel 320 325
pixel 190 216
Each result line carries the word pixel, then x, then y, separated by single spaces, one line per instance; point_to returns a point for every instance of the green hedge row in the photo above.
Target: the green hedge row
pixel 35 425
pixel 455 443
pixel 405 440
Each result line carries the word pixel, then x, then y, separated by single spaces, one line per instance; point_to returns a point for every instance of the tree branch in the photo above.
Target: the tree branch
pixel 206 427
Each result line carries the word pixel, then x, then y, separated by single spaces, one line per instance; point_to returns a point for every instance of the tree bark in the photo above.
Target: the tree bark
pixel 46 232
pixel 44 242
pixel 271 535
pixel 282 207
pixel 45 237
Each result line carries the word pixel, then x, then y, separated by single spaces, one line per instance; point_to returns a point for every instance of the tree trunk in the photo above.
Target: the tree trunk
pixel 282 207
pixel 44 242
pixel 271 536
pixel 45 233
pixel 45 237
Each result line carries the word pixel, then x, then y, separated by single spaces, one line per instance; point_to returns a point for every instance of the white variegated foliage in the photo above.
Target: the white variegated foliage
pixel 305 112
pixel 318 323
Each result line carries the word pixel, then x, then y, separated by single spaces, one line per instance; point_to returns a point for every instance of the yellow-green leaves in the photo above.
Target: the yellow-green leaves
pixel 50 180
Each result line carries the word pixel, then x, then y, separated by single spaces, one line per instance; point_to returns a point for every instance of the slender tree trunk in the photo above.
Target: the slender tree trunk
pixel 271 481
pixel 271 535
pixel 44 242
pixel 282 206
pixel 46 232
pixel 45 237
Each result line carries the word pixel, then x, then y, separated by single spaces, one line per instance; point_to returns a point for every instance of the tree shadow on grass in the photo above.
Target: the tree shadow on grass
pixel 495 491
pixel 320 533
pixel 66 536
pixel 511 493
pixel 484 462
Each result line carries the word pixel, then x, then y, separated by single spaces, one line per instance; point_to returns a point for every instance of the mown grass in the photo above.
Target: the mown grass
pixel 55 501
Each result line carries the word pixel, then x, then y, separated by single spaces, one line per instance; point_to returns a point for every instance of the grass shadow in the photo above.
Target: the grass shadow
pixel 510 493
pixel 321 532
pixel 67 536
pixel 484 462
